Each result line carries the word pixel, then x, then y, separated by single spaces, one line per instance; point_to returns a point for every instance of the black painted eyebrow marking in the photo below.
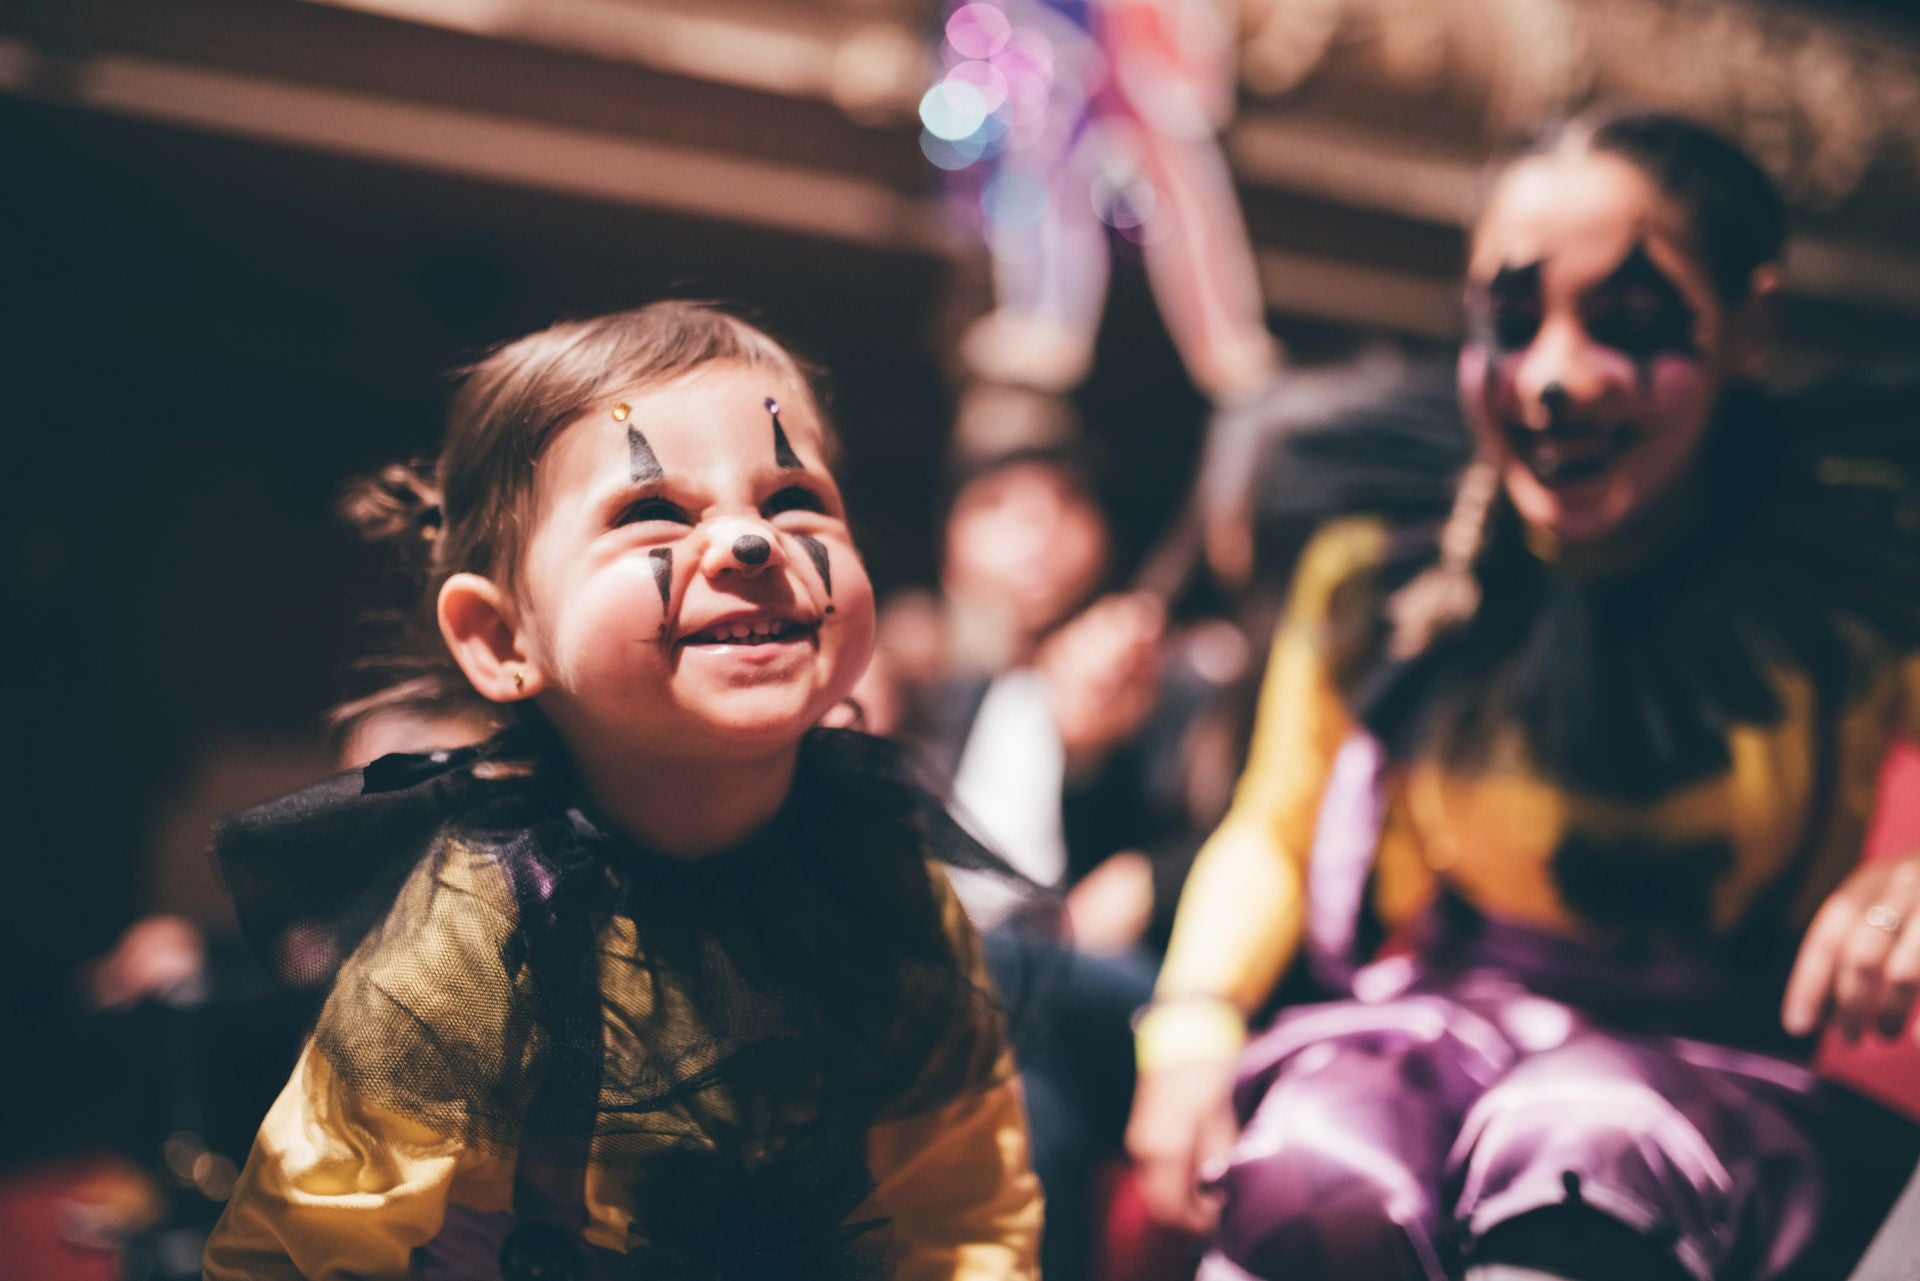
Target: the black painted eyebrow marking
pixel 783 455
pixel 817 550
pixel 642 465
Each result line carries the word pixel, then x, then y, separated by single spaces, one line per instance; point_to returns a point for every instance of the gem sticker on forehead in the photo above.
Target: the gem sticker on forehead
pixel 783 455
pixel 817 551
pixel 642 465
pixel 1638 311
pixel 661 559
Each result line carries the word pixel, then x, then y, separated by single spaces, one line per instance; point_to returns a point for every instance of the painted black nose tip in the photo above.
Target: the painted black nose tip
pixel 751 549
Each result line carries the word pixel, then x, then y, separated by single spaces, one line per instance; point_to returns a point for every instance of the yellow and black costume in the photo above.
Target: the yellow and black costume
pixel 1599 815
pixel 547 1053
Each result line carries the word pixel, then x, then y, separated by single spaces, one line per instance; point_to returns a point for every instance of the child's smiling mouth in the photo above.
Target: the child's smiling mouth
pixel 751 630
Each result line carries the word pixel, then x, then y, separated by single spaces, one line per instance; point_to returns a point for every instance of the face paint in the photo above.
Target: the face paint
pixel 1503 320
pixel 751 549
pixel 1641 313
pixel 661 559
pixel 642 466
pixel 1507 315
pixel 817 550
pixel 1592 373
pixel 783 455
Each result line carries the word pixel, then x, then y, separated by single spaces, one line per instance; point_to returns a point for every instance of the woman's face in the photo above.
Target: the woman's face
pixel 1597 348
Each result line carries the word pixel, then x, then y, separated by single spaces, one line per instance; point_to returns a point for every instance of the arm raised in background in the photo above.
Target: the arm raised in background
pixel 1240 917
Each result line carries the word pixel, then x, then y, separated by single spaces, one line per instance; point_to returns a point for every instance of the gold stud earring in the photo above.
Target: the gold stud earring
pixel 519 683
pixel 621 411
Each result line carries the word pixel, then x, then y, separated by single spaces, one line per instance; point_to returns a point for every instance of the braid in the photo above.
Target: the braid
pixel 400 507
pixel 1446 596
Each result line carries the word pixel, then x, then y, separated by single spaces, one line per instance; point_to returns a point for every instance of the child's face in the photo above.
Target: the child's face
pixel 690 587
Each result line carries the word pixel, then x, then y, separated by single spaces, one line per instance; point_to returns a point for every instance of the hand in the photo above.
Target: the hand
pixel 1860 962
pixel 1110 907
pixel 158 957
pixel 1102 673
pixel 1182 1123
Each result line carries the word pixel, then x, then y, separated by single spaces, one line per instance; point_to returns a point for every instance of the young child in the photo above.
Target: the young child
pixel 661 981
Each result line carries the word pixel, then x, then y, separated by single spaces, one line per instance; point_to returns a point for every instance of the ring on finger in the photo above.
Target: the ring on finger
pixel 1884 916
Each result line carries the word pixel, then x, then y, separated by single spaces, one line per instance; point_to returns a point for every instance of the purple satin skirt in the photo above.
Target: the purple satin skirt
pixel 1383 1136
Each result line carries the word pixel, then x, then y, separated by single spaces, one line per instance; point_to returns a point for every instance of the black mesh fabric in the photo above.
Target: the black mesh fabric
pixel 722 1032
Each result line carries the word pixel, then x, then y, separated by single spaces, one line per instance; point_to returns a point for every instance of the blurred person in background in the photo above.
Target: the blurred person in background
pixel 1595 751
pixel 1065 715
pixel 202 1037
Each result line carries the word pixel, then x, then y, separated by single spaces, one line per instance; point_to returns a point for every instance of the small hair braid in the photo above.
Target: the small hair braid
pixel 399 505
pixel 1445 596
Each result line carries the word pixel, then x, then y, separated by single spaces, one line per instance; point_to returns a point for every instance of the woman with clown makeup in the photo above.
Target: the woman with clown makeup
pixel 1594 753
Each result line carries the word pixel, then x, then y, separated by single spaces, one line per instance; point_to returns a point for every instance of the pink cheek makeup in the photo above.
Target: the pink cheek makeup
pixel 1676 386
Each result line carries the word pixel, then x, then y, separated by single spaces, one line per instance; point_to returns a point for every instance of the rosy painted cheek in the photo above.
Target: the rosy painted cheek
pixel 1486 388
pixel 1471 372
pixel 1678 390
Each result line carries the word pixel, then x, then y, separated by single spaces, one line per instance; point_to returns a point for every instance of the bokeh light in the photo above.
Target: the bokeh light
pixel 1122 198
pixel 952 154
pixel 978 30
pixel 984 79
pixel 952 110
pixel 1014 201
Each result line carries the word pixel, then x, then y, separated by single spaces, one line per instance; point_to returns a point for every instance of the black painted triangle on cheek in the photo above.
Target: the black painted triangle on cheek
pixel 817 550
pixel 642 466
pixel 662 561
pixel 783 455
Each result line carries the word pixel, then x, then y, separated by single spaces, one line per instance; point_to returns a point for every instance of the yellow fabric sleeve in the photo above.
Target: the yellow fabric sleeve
pixel 338 1185
pixel 337 1190
pixel 1241 913
pixel 963 1201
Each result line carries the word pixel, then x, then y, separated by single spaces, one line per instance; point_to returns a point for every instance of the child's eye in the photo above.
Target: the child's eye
pixel 653 509
pixel 793 499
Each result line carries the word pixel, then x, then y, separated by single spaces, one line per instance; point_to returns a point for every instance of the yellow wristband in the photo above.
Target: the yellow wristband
pixel 1187 1030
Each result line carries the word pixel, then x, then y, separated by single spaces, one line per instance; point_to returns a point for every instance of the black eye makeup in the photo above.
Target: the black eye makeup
pixel 651 509
pixel 794 498
pixel 1639 311
pixel 1505 316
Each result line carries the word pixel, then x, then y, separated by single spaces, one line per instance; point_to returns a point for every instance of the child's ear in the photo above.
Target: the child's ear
pixel 1751 326
pixel 477 621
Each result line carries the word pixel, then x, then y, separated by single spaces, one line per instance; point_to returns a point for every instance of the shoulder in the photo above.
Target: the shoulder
pixel 1336 596
pixel 1339 552
pixel 442 975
